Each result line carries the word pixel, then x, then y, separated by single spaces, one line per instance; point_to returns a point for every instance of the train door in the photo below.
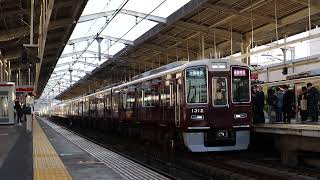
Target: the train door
pixel 140 104
pixel 168 105
pixel 221 113
pixel 178 100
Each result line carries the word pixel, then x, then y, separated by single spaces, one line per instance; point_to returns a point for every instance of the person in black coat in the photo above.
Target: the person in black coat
pixel 259 105
pixel 271 100
pixel 288 104
pixel 302 107
pixel 254 102
pixel 312 101
pixel 19 111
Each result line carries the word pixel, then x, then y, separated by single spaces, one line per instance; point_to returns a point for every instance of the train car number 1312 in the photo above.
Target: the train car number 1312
pixel 197 110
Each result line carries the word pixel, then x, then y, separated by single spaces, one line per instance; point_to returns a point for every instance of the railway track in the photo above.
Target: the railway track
pixel 180 165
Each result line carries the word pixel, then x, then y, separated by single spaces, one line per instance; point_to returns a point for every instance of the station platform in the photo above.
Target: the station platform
pixel 292 140
pixel 51 152
pixel 308 130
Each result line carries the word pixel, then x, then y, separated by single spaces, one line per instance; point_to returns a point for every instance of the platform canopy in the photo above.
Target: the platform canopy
pixel 38 49
pixel 141 35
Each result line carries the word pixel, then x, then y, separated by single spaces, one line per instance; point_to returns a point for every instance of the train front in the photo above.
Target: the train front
pixel 218 112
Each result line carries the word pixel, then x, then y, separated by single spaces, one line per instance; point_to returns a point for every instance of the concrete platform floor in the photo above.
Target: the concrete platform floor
pixel 15 153
pixel 16 156
pixel 80 164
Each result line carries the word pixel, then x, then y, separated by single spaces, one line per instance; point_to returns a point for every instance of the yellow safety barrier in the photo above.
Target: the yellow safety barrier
pixel 46 162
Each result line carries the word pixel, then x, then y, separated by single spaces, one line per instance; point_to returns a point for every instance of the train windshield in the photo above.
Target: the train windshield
pixel 240 85
pixel 196 85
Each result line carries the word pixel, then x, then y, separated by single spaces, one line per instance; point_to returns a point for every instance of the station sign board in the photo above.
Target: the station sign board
pixel 23 90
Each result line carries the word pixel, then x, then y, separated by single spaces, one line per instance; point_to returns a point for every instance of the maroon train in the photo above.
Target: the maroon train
pixel 204 104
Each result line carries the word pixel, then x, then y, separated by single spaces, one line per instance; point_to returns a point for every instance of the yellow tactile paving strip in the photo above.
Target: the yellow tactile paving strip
pixel 46 162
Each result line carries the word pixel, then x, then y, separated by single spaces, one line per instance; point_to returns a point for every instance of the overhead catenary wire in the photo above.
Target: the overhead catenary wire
pixel 137 22
pixel 89 30
pixel 134 25
pixel 97 35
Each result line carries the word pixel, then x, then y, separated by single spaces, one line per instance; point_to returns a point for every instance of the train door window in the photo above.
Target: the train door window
pixel 108 103
pixel 86 105
pixel 115 101
pixel 81 108
pixel 178 94
pixel 92 105
pixel 166 93
pixel 196 85
pixel 124 100
pixel 219 91
pixel 171 95
pixel 142 98
pixel 100 104
pixel 240 85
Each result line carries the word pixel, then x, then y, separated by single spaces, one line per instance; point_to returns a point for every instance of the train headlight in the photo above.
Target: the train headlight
pixel 197 117
pixel 240 116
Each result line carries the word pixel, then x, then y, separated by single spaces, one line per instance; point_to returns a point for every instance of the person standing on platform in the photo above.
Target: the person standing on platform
pixel 29 110
pixel 303 104
pixel 288 104
pixel 259 105
pixel 312 101
pixel 271 100
pixel 18 108
pixel 279 104
pixel 254 102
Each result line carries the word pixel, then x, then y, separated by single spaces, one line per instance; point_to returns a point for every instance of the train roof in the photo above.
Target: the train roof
pixel 167 69
pixel 160 69
pixel 176 67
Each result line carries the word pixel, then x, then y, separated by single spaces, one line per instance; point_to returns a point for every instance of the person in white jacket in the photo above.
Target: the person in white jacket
pixel 29 111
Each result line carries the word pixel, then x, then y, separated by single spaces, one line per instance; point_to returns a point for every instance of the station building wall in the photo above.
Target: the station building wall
pixel 271 74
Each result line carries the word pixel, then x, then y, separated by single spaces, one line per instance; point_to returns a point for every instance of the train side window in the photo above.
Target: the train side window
pixel 130 100
pixel 150 97
pixel 219 91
